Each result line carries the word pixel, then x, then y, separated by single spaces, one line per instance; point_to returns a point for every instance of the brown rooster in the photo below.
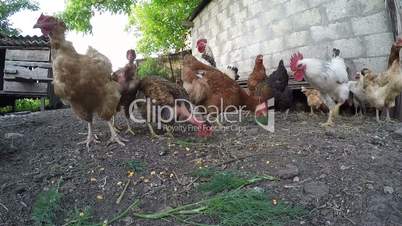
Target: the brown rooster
pixel 129 83
pixel 82 81
pixel 215 90
pixel 173 104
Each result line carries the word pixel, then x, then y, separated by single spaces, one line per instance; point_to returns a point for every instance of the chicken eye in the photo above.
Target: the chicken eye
pixel 299 66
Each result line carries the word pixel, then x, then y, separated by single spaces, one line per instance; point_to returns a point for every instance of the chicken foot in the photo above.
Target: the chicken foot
pixel 129 129
pixel 286 113
pixel 151 130
pixel 115 138
pixel 332 113
pixel 92 138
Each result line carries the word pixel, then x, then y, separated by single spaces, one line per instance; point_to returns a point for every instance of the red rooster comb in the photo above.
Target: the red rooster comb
pixel 202 40
pixel 294 60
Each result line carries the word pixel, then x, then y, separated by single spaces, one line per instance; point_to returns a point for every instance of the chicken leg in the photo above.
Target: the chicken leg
pixel 151 130
pixel 388 117
pixel 91 137
pixel 129 129
pixel 115 138
pixel 286 113
pixel 332 113
pixel 116 128
pixel 377 115
pixel 169 132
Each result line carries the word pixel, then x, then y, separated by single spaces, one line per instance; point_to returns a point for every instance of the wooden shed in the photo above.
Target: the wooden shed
pixel 26 69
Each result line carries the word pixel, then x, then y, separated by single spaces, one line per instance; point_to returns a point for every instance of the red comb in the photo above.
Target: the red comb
pixel 201 40
pixel 294 60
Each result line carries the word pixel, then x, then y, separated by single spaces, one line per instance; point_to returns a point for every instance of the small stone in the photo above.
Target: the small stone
pixel 258 189
pixel 128 221
pixel 316 189
pixel 388 190
pixel 344 167
pixel 163 153
pixel 296 179
pixel 288 172
pixel 370 187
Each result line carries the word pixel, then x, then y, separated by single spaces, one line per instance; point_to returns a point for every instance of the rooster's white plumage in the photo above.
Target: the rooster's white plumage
pixel 329 77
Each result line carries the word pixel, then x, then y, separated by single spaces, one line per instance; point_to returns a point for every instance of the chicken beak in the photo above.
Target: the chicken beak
pixel 36 25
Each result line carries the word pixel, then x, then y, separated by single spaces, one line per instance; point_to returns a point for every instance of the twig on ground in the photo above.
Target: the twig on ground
pixel 178 180
pixel 123 192
pixel 350 220
pixel 104 183
pixel 4 206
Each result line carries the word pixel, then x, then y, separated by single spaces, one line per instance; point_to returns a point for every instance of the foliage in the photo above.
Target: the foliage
pixel 219 181
pixel 161 24
pixel 78 13
pixel 80 218
pixel 136 165
pixel 9 8
pixel 151 66
pixel 235 208
pixel 234 205
pixel 26 104
pixel 46 205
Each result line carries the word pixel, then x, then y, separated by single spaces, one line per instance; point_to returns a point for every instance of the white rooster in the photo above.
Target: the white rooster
pixel 207 57
pixel 329 77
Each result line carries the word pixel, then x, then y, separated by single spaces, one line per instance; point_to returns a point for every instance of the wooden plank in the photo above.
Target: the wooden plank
pixel 34 73
pixel 26 79
pixel 21 87
pixel 47 65
pixel 28 55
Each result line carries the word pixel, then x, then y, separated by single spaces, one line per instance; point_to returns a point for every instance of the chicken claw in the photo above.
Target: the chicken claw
pixel 91 139
pixel 328 124
pixel 115 138
pixel 151 130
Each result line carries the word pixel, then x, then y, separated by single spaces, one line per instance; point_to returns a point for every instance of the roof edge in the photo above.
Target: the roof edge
pixel 199 9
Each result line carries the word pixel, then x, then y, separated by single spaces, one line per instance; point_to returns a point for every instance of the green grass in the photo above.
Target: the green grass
pixel 136 165
pixel 235 208
pixel 26 104
pixel 80 218
pixel 219 181
pixel 46 206
pixel 231 204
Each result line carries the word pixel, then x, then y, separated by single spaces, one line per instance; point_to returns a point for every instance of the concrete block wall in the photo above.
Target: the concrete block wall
pixel 238 30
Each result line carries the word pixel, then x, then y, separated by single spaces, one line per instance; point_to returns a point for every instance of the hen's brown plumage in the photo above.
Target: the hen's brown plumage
pixel 257 76
pixel 164 93
pixel 83 81
pixel 214 90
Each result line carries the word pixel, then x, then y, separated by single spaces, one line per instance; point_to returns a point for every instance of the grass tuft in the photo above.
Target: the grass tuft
pixel 136 165
pixel 46 206
pixel 250 207
pixel 235 208
pixel 80 218
pixel 225 181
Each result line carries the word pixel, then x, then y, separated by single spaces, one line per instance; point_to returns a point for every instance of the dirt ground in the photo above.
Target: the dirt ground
pixel 347 175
